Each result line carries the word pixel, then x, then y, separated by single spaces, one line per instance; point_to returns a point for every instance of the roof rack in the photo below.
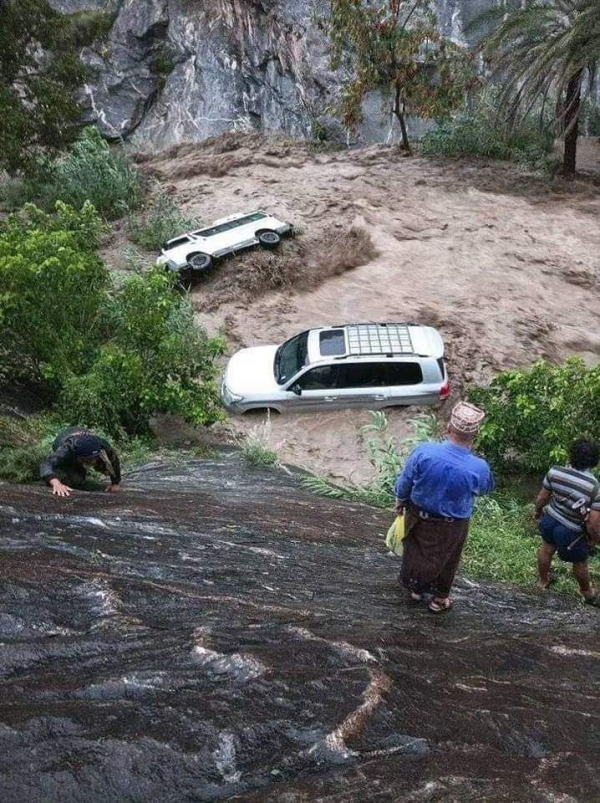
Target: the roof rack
pixel 379 338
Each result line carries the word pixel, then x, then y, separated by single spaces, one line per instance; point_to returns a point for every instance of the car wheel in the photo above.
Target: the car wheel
pixel 199 262
pixel 268 239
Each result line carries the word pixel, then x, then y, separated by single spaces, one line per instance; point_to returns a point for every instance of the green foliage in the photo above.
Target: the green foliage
pixel 480 131
pixel 255 446
pixel 534 415
pixel 24 443
pixel 544 52
pixel 91 171
pixel 86 27
pixel 51 289
pixel 157 360
pixel 111 351
pixel 394 47
pixel 40 73
pixel 160 221
pixel 387 457
pixel 163 64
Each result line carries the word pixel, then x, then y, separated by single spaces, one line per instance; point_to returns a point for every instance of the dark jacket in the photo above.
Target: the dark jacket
pixel 64 457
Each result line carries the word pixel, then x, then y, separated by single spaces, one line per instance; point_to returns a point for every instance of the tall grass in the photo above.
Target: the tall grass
pixel 256 447
pixel 161 220
pixel 480 130
pixel 386 454
pixel 91 171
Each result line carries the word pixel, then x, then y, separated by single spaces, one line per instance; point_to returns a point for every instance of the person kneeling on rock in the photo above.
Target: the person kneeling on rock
pixel 74 452
pixel 568 511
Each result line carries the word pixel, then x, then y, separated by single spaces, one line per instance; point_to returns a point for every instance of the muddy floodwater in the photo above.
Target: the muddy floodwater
pixel 217 633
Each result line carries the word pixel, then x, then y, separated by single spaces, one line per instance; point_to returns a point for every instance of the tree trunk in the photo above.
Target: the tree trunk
pixel 572 104
pixel 399 112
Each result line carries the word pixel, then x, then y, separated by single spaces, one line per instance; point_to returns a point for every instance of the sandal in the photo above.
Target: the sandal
pixel 594 600
pixel 440 606
pixel 416 597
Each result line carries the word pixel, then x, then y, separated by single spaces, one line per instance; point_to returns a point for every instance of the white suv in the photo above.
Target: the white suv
pixel 371 365
pixel 193 253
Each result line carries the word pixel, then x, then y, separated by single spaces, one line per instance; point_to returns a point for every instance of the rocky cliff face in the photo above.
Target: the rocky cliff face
pixel 183 70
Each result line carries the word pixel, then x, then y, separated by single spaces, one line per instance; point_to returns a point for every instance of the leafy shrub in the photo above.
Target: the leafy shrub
pixel 51 290
pixel 161 221
pixel 534 415
pixel 111 351
pixel 156 360
pixel 24 443
pixel 91 171
pixel 480 131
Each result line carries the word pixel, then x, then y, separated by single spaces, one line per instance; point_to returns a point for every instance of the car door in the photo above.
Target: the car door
pixel 362 384
pixel 314 389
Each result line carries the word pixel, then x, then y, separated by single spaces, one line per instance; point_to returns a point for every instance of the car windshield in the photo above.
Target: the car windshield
pixel 291 357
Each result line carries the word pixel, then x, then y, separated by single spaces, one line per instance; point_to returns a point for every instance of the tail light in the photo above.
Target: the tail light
pixel 445 391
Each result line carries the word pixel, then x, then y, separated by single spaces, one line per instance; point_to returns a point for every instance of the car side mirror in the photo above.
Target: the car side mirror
pixel 296 389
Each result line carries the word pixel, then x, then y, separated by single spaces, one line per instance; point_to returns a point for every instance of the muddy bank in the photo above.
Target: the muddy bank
pixel 503 264
pixel 216 633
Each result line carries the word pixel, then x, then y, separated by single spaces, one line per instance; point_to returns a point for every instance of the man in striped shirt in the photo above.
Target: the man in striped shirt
pixel 567 506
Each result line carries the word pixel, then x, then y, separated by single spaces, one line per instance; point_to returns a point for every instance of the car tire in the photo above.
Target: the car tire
pixel 268 238
pixel 199 262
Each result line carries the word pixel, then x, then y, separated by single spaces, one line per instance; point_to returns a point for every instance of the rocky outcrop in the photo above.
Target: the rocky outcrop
pixel 183 70
pixel 217 633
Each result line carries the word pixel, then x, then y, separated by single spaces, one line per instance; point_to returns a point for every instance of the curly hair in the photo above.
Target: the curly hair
pixel 584 454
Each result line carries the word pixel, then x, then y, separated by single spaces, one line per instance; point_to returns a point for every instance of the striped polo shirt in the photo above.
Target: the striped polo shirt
pixel 569 486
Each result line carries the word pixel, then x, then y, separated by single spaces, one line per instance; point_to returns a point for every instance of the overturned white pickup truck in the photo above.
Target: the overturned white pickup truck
pixel 193 253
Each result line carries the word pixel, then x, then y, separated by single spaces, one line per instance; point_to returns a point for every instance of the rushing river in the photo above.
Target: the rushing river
pixel 217 633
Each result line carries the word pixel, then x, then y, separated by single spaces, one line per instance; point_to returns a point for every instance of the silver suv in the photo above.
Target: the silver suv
pixel 371 365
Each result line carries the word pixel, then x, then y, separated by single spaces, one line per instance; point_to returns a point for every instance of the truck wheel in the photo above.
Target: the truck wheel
pixel 268 239
pixel 199 262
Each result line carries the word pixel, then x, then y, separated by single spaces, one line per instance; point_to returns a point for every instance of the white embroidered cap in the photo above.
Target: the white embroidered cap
pixel 466 418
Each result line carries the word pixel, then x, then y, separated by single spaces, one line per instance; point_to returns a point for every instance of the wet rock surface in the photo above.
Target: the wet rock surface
pixel 217 633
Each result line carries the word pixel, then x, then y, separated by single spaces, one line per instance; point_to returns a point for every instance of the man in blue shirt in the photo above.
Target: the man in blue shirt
pixel 436 491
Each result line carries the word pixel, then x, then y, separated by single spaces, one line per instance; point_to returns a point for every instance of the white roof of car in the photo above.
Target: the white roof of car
pixel 376 339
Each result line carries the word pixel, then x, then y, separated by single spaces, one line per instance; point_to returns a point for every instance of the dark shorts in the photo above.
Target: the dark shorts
pixel 559 536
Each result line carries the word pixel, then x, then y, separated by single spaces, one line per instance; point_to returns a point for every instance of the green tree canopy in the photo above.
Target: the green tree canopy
pixel 40 72
pixel 394 47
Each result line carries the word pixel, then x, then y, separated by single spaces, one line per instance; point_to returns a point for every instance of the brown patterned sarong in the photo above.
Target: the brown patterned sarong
pixel 432 550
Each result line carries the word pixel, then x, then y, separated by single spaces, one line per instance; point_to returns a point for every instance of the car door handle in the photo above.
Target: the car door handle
pixel 379 397
pixel 330 398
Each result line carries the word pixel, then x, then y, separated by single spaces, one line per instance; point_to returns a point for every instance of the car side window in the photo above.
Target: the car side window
pixel 362 375
pixel 324 377
pixel 403 373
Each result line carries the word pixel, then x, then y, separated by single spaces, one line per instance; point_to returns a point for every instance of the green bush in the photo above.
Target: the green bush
pixel 90 171
pixel 160 221
pixel 111 351
pixel 534 415
pixel 480 131
pixel 156 360
pixel 52 285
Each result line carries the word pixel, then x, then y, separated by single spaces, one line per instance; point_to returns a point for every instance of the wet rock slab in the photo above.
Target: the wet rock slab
pixel 217 633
